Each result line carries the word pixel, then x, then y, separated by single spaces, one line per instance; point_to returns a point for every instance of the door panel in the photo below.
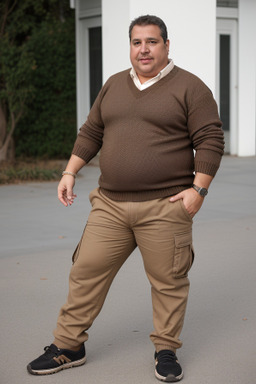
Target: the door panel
pixel 226 76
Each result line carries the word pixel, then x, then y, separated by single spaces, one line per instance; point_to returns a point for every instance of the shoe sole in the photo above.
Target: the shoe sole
pixel 51 371
pixel 170 378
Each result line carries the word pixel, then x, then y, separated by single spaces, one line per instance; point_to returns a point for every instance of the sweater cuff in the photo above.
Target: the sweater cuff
pixel 83 153
pixel 207 168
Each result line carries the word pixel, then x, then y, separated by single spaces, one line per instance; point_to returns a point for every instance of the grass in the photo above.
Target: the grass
pixel 31 170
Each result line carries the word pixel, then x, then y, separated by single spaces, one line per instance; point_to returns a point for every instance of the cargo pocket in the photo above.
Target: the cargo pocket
pixel 183 254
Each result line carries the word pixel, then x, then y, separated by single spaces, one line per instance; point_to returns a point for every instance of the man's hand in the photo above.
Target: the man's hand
pixel 66 185
pixel 65 190
pixel 191 200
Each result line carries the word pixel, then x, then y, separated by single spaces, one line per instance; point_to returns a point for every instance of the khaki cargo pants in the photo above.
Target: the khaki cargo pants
pixel 163 233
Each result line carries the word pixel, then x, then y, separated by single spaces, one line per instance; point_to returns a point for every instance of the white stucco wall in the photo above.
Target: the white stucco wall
pixel 191 26
pixel 247 79
pixel 115 42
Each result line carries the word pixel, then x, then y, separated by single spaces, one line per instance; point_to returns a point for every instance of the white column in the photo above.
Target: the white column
pixel 191 26
pixel 115 42
pixel 192 32
pixel 247 79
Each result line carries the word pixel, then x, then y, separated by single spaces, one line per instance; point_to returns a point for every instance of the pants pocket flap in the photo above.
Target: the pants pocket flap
pixel 183 239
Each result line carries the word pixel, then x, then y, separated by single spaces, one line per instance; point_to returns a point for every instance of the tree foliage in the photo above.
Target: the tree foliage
pixel 37 77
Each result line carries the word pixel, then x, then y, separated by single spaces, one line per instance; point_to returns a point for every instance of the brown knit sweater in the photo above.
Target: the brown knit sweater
pixel 147 137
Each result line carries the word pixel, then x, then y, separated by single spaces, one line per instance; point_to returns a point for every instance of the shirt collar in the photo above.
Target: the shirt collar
pixel 152 81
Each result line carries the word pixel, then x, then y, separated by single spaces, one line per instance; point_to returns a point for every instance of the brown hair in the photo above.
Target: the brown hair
pixel 149 20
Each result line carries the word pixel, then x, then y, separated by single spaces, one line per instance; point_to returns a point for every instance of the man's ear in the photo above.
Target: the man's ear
pixel 167 44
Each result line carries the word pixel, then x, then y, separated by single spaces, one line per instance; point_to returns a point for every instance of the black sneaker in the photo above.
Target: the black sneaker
pixel 55 359
pixel 167 366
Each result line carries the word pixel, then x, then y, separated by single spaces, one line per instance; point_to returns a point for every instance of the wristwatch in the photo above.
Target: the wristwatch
pixel 202 191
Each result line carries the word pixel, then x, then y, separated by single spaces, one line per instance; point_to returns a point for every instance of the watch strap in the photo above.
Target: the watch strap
pixel 202 191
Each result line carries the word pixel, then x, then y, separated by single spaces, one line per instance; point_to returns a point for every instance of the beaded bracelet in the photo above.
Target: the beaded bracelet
pixel 69 173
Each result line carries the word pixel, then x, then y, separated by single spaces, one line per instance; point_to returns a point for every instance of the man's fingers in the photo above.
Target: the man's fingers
pixel 62 198
pixel 176 197
pixel 65 192
pixel 70 194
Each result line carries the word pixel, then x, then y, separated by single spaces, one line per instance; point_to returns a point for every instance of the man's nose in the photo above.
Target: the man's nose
pixel 144 47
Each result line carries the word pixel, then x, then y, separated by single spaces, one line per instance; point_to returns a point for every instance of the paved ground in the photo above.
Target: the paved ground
pixel 37 237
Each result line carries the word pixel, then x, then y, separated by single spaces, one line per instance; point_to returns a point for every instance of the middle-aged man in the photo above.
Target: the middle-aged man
pixel 147 121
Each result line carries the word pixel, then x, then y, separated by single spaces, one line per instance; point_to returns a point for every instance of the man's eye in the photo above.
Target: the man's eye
pixel 152 42
pixel 136 43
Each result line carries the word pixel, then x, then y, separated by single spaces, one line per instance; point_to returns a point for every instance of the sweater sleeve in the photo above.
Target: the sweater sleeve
pixel 89 138
pixel 205 130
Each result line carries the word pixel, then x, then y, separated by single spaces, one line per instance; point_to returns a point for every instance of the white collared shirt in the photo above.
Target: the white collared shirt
pixel 154 80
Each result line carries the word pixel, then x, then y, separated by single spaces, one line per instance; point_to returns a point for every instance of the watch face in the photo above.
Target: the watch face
pixel 203 191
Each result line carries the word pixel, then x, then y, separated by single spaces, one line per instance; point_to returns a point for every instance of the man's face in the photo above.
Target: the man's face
pixel 148 52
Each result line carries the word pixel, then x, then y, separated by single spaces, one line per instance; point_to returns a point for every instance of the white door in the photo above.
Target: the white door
pixel 227 80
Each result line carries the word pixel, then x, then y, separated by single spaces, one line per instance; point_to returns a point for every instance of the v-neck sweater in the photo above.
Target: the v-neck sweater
pixel 152 141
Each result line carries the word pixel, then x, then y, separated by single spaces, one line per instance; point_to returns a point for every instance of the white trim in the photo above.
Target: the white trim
pixel 83 67
pixel 93 12
pixel 229 27
pixel 227 13
pixel 247 79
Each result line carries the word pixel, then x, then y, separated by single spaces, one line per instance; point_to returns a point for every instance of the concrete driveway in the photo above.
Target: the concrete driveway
pixel 37 238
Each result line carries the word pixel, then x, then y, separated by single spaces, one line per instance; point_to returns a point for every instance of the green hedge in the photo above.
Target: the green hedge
pixel 49 127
